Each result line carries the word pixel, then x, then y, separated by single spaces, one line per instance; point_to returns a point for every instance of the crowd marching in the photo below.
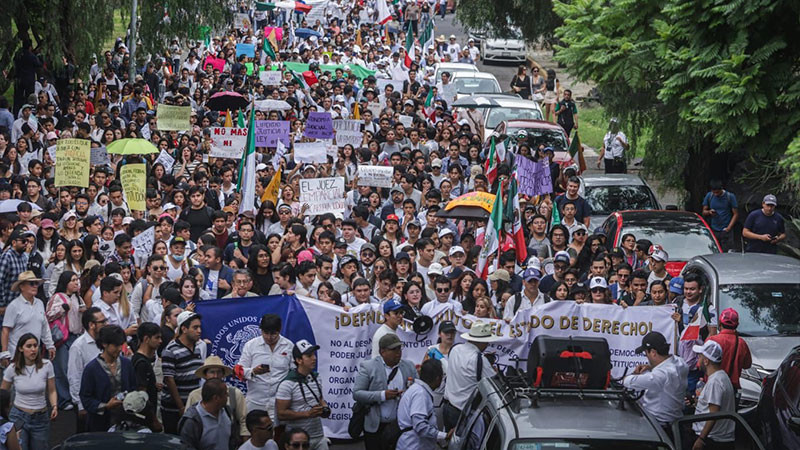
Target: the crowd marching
pixel 89 323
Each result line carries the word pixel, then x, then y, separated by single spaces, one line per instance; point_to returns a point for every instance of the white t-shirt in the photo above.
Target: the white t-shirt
pixel 30 387
pixel 614 148
pixel 270 445
pixel 718 391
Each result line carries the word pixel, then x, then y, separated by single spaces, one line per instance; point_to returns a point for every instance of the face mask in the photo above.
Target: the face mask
pixel 177 257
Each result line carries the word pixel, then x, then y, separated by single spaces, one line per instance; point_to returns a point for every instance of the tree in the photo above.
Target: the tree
pixel 535 18
pixel 715 82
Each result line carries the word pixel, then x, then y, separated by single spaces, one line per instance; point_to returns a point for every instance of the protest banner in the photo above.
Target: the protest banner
pixel 533 177
pixel 99 156
pixel 73 157
pixel 143 246
pixel 319 125
pixel 241 21
pixel 173 117
pixel 345 337
pixel 51 152
pixel 378 176
pixel 322 195
pixel 407 121
pixel 310 152
pixel 270 77
pixel 227 142
pixel 166 160
pixel 269 132
pixel 248 50
pixel 134 185
pixel 348 132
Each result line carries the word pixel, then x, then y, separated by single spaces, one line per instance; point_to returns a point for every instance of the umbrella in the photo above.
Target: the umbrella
pixel 272 105
pixel 131 147
pixel 305 33
pixel 10 205
pixel 227 100
pixel 464 212
pixel 475 101
pixel 470 206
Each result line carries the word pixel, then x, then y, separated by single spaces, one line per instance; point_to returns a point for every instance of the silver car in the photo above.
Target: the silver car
pixel 608 193
pixel 765 291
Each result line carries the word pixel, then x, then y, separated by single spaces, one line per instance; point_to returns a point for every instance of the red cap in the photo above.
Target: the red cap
pixel 393 217
pixel 729 318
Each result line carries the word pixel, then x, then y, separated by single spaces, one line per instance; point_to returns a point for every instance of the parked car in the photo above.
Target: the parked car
pixel 683 234
pixel 468 83
pixel 779 405
pixel 511 108
pixel 765 291
pixel 540 132
pixel 510 48
pixel 439 68
pixel 608 193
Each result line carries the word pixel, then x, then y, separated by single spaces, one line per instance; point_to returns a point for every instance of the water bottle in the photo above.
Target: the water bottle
pixel 699 388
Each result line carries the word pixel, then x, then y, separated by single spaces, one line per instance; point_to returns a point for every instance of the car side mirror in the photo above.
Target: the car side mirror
pixel 794 424
pixel 671 208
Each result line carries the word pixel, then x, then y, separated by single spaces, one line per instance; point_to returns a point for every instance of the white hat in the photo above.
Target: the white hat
pixel 435 269
pixel 598 282
pixel 127 221
pixel 480 332
pixel 456 249
pixel 710 350
pixel 534 263
pixel 261 166
pixel 402 247
pixel 169 206
pixel 660 254
pixel 444 232
pixel 184 316
pixel 580 227
pixel 135 402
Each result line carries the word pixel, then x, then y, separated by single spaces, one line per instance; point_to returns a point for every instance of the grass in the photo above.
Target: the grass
pixel 120 28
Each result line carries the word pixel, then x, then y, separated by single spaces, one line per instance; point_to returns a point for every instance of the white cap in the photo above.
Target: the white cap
pixel 169 206
pixel 598 282
pixel 456 249
pixel 127 221
pixel 261 166
pixel 184 316
pixel 444 232
pixel 402 247
pixel 660 255
pixel 435 269
pixel 534 263
pixel 710 350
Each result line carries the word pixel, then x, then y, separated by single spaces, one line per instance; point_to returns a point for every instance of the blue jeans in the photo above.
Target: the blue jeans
pixel 34 429
pixel 60 366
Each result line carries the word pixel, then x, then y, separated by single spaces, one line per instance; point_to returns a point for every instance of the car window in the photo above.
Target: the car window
pixel 764 309
pixel 682 241
pixel 607 199
pixel 497 115
pixel 474 85
pixel 468 414
pixel 479 430
pixel 549 138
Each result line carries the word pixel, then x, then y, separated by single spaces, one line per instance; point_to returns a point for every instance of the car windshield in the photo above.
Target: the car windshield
pixel 583 444
pixel 543 136
pixel 475 85
pixel 497 115
pixel 682 241
pixel 764 309
pixel 605 200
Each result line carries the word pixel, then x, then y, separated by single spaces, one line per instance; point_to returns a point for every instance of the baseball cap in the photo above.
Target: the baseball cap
pixel 47 223
pixel 456 249
pixel 660 255
pixel 454 273
pixel 261 166
pixel 177 240
pixel 616 252
pixel 770 199
pixel 303 347
pixel 447 326
pixel 169 206
pixel 396 189
pixel 20 234
pixel 340 243
pixel 598 282
pixel 436 162
pixel 600 231
pixel 415 223
pixel 444 232
pixel 51 135
pixel 531 274
pixel 127 221
pixel 135 402
pixel 500 274
pixel 561 256
pixel 653 341
pixel 70 215
pixel 402 255
pixel 676 285
pixel 710 350
pixel 393 217
pixel 435 269
pixel 392 305
pixel 729 318
pixel 580 227
pixel 368 246
pixel 390 341
pixel 347 259
pixel 186 316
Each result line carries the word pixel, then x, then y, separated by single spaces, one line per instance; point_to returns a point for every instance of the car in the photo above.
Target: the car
pixel 540 132
pixel 779 405
pixel 683 234
pixel 127 440
pixel 440 68
pixel 511 108
pixel 468 83
pixel 765 290
pixel 608 193
pixel 511 48
pixel 476 35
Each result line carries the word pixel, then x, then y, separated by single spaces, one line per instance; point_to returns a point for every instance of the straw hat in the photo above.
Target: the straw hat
pixel 441 38
pixel 480 332
pixel 213 362
pixel 25 277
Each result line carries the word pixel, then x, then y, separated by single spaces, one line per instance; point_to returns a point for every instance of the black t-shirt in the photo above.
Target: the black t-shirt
pixel 199 219
pixel 581 206
pixel 167 335
pixel 146 379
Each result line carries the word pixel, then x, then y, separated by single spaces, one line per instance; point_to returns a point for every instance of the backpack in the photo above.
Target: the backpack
pixel 234 439
pixel 518 300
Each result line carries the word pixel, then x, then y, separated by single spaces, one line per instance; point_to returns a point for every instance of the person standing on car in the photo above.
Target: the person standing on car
pixel 721 207
pixel 764 228
pixel 615 143
pixel 716 396
pixel 567 112
pixel 663 380
pixel 735 352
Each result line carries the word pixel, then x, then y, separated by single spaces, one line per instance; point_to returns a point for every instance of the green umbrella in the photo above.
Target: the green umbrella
pixel 131 147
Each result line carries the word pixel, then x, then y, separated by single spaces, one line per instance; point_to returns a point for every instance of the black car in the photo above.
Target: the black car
pixel 779 405
pixel 122 441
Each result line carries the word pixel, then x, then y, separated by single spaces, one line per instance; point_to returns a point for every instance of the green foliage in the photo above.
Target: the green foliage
pixel 712 80
pixel 535 18
pixel 161 21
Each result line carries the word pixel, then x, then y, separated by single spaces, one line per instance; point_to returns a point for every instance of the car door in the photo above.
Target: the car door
pixel 466 421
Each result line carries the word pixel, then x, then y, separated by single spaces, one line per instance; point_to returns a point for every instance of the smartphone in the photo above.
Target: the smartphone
pixel 265 367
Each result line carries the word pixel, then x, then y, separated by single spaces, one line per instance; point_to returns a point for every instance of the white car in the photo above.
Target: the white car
pixel 468 83
pixel 496 49
pixel 511 108
pixel 440 68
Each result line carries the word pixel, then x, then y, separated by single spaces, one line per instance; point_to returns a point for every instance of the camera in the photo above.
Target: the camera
pixel 326 412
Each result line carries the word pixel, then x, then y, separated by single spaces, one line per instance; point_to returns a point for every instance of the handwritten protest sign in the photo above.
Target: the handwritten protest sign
pixel 310 152
pixel 270 77
pixel 99 156
pixel 319 125
pixel 323 195
pixel 248 50
pixel 134 185
pixel 166 160
pixel 280 150
pixel 269 132
pixel 533 176
pixel 228 142
pixel 72 162
pixel 407 121
pixel 51 151
pixel 143 246
pixel 241 21
pixel 378 176
pixel 348 132
pixel 174 117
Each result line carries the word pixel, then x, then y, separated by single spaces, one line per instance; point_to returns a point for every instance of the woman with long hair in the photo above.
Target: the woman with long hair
pixel 477 289
pixel 266 216
pixel 46 239
pixel 260 266
pixel 34 381
pixel 57 258
pixel 552 87
pixel 521 83
pixel 76 258
pixel 189 291
pixel 65 307
pixel 414 296
pixel 169 323
pixel 90 282
pixel 559 291
pixel 484 308
pixel 91 248
pixel 628 247
pixel 461 286
pixel 69 229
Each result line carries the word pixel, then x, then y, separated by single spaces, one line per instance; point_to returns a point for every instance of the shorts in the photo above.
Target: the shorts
pixel 550 98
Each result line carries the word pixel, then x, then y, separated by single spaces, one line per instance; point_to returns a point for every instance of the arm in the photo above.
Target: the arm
pixel 648 380
pixel 361 386
pixel 709 425
pixel 4 338
pixel 74 377
pixel 172 388
pixel 54 309
pixel 88 394
pixel 52 396
pixel 190 433
pixel 241 413
pixel 419 420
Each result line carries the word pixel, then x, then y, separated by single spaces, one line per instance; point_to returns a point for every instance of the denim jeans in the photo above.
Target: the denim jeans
pixel 60 366
pixel 34 429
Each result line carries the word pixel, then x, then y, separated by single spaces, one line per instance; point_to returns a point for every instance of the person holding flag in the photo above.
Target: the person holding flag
pixel 698 319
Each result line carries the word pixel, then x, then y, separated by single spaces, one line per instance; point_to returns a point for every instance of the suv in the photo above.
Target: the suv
pixel 611 192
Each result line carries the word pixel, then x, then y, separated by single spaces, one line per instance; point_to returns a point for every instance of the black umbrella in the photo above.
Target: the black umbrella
pixel 464 212
pixel 227 100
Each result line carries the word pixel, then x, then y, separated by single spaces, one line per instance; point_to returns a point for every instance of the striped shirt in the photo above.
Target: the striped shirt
pixel 180 363
pixel 12 264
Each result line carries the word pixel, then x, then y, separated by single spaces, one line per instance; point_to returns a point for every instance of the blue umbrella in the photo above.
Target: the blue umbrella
pixel 305 33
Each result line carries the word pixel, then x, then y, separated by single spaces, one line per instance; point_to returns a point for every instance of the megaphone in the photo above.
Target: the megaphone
pixel 419 323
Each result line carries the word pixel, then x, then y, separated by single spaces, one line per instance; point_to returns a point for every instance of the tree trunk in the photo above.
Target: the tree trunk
pixel 704 164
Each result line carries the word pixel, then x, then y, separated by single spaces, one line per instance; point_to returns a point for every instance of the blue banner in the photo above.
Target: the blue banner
pixel 248 50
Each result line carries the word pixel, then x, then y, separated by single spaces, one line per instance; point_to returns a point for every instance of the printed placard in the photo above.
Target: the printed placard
pixel 269 132
pixel 378 176
pixel 174 117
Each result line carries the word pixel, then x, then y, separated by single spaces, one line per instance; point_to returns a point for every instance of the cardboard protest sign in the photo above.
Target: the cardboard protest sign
pixel 143 246
pixel 533 177
pixel 174 117
pixel 270 77
pixel 228 142
pixel 215 63
pixel 166 160
pixel 51 151
pixel 99 156
pixel 319 125
pixel 348 132
pixel 73 157
pixel 248 50
pixel 241 21
pixel 378 176
pixel 280 150
pixel 323 195
pixel 310 152
pixel 269 132
pixel 375 108
pixel 134 185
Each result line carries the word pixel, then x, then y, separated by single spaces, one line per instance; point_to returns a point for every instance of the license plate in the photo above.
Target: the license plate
pixel 506 54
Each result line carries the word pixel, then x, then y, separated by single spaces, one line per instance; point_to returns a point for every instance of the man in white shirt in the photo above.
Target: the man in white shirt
pixel 260 426
pixel 467 366
pixel 25 314
pixel 83 351
pixel 453 49
pixel 110 291
pixel 717 396
pixel 265 361
pixel 663 379
pixel 392 318
pixel 441 288
pixel 529 297
pixel 354 242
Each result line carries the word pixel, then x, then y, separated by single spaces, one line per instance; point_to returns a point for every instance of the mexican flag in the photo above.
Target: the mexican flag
pixel 269 50
pixel 429 107
pixel 701 319
pixel 246 184
pixel 299 79
pixel 514 212
pixel 491 163
pixel 426 37
pixel 410 54
pixel 491 240
pixel 384 15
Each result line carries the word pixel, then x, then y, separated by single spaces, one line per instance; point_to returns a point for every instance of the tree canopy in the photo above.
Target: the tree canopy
pixel 535 18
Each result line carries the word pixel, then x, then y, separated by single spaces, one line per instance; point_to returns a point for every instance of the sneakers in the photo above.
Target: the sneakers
pixel 68 407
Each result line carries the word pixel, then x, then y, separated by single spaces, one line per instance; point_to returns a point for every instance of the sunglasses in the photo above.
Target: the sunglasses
pixel 598 289
pixel 442 290
pixel 159 268
pixel 300 444
pixel 579 233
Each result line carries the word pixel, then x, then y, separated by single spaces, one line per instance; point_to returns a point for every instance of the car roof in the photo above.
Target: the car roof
pixel 456 67
pixel 660 216
pixel 737 268
pixel 511 102
pixel 533 123
pixel 612 179
pixel 469 74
